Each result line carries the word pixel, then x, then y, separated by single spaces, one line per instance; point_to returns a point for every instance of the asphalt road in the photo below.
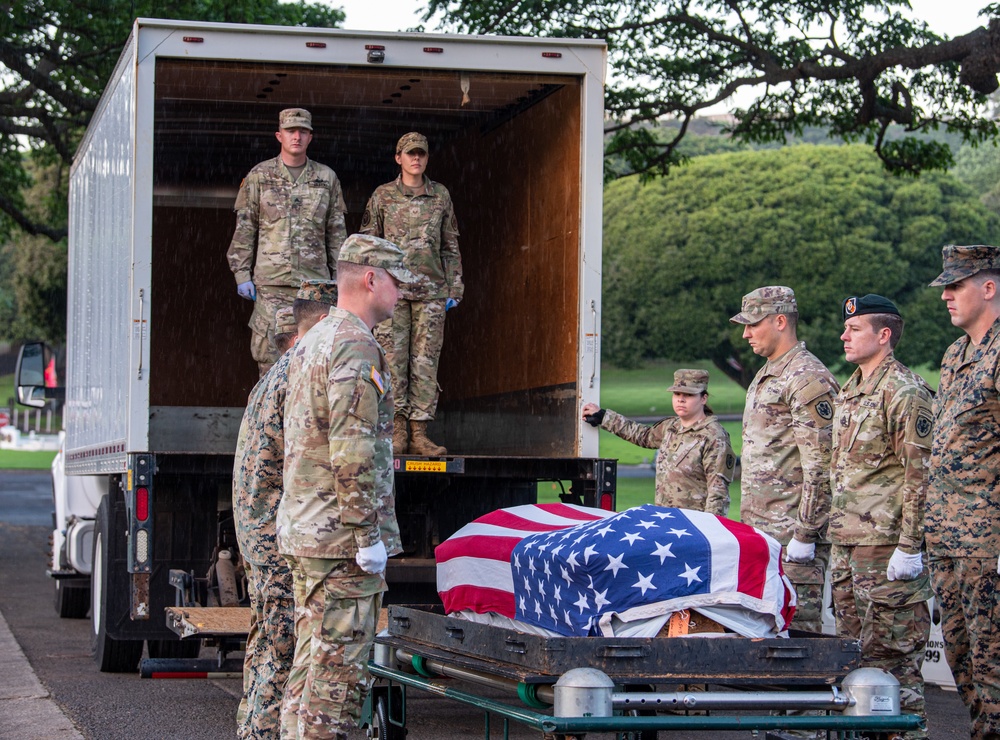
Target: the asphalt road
pixel 109 706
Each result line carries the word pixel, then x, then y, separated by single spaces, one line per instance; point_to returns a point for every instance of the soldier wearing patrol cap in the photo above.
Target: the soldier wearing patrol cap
pixel 963 500
pixel 257 488
pixel 695 460
pixel 787 427
pixel 881 446
pixel 289 228
pixel 416 213
pixel 336 520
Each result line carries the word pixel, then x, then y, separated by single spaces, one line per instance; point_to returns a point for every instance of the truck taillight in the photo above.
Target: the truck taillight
pixel 142 504
pixel 607 502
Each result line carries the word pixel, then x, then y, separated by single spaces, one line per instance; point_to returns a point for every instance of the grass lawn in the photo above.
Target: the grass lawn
pixel 635 492
pixel 26 460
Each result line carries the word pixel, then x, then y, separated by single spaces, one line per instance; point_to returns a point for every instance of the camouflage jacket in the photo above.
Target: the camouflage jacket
pixel 787 428
pixel 694 465
pixel 424 227
pixel 287 232
pixel 963 500
pixel 881 446
pixel 338 444
pixel 257 470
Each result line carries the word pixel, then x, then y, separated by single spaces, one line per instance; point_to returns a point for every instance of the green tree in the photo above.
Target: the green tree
pixel 979 168
pixel 827 221
pixel 855 67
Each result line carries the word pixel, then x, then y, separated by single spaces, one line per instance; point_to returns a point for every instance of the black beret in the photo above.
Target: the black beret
pixel 870 303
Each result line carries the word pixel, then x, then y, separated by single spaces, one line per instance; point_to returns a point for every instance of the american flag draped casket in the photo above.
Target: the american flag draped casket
pixel 573 570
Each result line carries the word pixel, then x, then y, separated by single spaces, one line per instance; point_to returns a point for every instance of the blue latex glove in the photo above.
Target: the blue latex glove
pixel 450 304
pixel 247 290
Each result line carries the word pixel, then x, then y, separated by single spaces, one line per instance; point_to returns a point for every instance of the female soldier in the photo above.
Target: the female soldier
pixel 695 461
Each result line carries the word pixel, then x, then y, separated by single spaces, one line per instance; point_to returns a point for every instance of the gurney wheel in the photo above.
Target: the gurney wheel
pixel 381 728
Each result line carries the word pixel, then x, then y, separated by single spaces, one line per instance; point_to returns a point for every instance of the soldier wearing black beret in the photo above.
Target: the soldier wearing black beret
pixel 878 473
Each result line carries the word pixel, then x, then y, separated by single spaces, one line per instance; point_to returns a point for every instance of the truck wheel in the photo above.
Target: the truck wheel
pixel 107 578
pixel 72 598
pixel 174 649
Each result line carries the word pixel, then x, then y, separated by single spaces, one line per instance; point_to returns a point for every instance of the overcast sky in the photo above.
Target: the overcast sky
pixel 951 17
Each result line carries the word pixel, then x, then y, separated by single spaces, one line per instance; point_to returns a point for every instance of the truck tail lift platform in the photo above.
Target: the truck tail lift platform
pixel 592 684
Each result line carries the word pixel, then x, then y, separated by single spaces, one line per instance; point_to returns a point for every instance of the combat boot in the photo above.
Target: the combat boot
pixel 400 440
pixel 420 444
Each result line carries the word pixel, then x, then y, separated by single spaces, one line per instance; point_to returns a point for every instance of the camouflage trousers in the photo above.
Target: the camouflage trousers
pixel 809 579
pixel 335 618
pixel 270 646
pixel 269 299
pixel 890 618
pixel 968 592
pixel 412 341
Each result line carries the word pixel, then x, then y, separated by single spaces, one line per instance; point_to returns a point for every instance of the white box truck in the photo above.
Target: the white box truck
pixel 158 361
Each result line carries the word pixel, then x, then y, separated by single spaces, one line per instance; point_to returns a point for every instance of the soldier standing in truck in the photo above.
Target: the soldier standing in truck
pixel 289 228
pixel 416 213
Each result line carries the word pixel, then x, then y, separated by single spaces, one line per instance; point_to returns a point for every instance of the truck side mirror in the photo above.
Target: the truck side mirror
pixel 35 377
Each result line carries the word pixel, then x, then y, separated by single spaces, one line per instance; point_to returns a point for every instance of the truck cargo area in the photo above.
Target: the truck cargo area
pixel 510 153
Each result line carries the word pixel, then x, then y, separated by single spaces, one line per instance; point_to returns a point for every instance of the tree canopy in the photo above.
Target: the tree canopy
pixel 828 222
pixel 855 67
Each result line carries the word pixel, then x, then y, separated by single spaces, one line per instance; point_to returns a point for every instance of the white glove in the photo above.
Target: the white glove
pixel 903 566
pixel 372 559
pixel 800 552
pixel 998 564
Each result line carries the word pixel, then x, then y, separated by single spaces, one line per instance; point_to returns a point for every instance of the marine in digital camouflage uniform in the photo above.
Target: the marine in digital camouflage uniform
pixel 787 429
pixel 881 447
pixel 257 487
pixel 695 460
pixel 289 228
pixel 416 214
pixel 336 521
pixel 963 500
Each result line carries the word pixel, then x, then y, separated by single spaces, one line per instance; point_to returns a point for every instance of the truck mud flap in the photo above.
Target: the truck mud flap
pixel 795 661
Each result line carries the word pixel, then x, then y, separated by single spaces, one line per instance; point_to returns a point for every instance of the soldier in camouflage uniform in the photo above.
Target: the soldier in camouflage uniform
pixel 787 428
pixel 289 228
pixel 416 213
pixel 336 520
pixel 694 461
pixel 963 500
pixel 881 446
pixel 257 486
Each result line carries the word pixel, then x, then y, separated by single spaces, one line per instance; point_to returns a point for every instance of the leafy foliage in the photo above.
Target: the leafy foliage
pixel 827 221
pixel 853 67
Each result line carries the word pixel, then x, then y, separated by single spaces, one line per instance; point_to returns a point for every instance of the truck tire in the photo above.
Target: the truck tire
pixel 72 598
pixel 109 581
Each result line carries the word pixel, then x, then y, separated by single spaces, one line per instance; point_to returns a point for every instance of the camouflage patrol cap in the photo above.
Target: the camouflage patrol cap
pixel 767 301
pixel 364 249
pixel 409 142
pixel 963 262
pixel 295 118
pixel 284 321
pixel 690 381
pixel 867 304
pixel 321 291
